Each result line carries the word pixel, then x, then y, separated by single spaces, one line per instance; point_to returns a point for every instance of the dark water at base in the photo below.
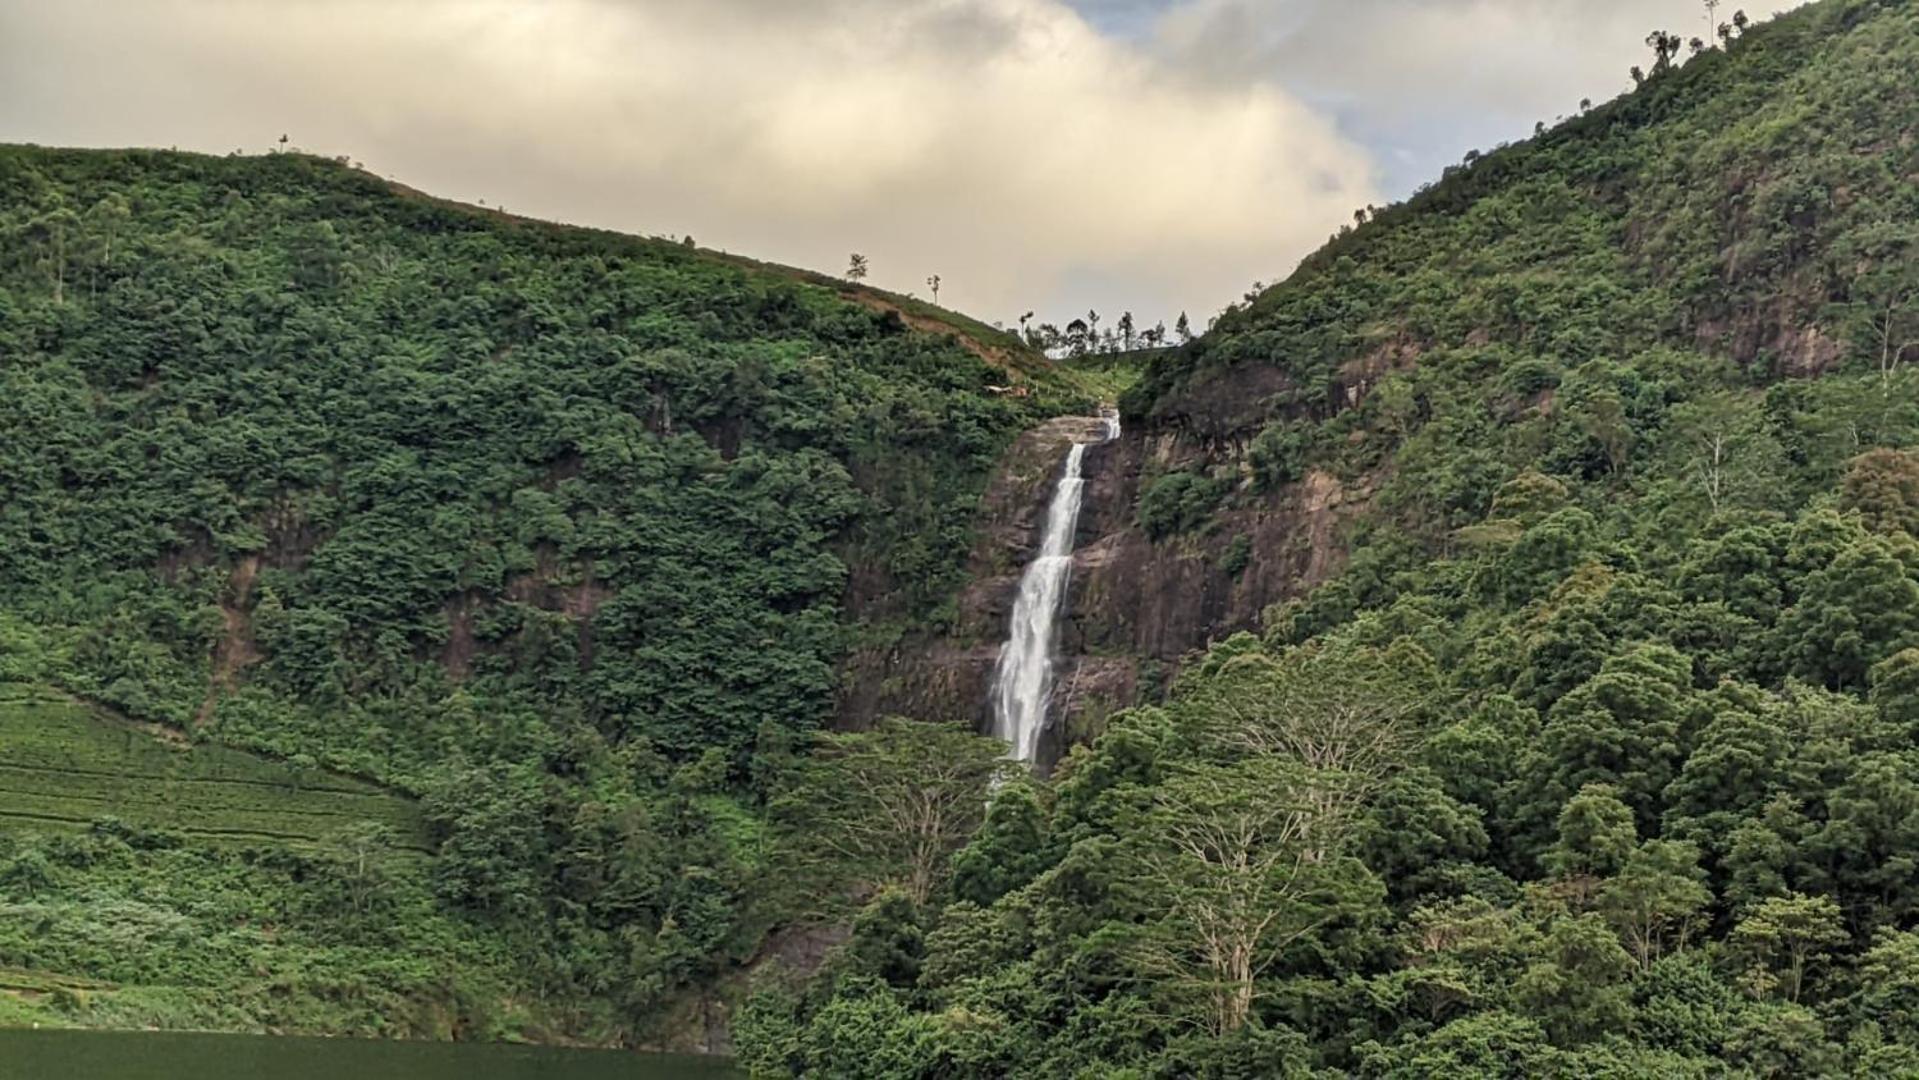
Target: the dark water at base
pixel 142 1055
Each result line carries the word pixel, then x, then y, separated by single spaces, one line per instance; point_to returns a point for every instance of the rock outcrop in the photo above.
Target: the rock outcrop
pixel 1136 607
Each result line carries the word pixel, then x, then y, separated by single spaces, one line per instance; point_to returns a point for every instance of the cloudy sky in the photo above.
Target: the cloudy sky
pixel 1153 155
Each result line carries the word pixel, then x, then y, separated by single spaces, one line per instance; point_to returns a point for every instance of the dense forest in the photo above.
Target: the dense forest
pixel 1600 754
pixel 561 534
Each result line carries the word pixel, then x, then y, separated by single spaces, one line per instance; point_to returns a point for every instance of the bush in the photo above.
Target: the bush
pixel 1280 454
pixel 1239 555
pixel 1178 502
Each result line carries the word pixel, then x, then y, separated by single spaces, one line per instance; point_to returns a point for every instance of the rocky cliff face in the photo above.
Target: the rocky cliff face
pixel 1135 607
pixel 947 677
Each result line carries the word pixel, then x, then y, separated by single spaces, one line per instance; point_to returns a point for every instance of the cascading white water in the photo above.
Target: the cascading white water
pixel 1023 681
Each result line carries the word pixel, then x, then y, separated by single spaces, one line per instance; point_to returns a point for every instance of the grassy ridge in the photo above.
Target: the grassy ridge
pixel 65 766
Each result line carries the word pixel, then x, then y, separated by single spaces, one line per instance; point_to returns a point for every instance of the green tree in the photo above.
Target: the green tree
pixel 1889 986
pixel 53 233
pixel 1665 45
pixel 1596 839
pixel 1563 651
pixel 1578 986
pixel 1543 555
pixel 1343 709
pixel 1882 487
pixel 1729 454
pixel 27 874
pixel 1177 502
pixel 1743 568
pixel 106 221
pixel 1782 1040
pixel 1414 835
pixel 1738 761
pixel 493 847
pixel 1460 955
pixel 1008 851
pixel 1867 850
pixel 1851 614
pixel 1622 727
pixel 1895 690
pixel 1882 318
pixel 1475 757
pixel 888 940
pixel 1235 865
pixel 361 854
pixel 1528 497
pixel 1783 936
pixel 890 806
pixel 1763 853
pixel 866 1032
pixel 1494 1043
pixel 1656 898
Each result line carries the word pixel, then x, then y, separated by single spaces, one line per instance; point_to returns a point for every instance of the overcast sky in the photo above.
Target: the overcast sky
pixel 1157 155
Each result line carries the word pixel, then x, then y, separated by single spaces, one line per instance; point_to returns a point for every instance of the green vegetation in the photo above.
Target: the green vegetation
pixel 1178 502
pixel 172 932
pixel 1600 756
pixel 1107 375
pixel 66 766
pixel 1747 194
pixel 560 533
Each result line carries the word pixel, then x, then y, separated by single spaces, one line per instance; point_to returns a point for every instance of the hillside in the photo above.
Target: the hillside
pixel 67 768
pixel 560 533
pixel 1736 206
pixel 1568 513
pixel 1597 303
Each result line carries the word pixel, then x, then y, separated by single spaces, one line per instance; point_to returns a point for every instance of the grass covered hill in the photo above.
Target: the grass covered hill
pixel 1600 756
pixel 560 533
pixel 1753 203
pixel 66 766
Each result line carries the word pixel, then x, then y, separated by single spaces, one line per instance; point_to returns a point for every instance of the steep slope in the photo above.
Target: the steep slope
pixel 1579 732
pixel 1743 220
pixel 562 531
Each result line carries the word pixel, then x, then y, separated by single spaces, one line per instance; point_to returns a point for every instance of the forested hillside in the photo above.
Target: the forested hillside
pixel 560 534
pixel 1600 754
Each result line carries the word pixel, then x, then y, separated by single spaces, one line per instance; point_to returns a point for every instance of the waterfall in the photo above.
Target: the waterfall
pixel 1023 681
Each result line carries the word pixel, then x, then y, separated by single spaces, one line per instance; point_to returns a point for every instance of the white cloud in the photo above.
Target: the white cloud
pixel 1422 81
pixel 1011 146
pixel 1004 144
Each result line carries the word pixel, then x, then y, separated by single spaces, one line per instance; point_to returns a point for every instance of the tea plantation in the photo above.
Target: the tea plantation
pixel 63 764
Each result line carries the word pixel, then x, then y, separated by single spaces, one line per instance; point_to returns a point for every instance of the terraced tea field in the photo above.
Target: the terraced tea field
pixel 62 764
